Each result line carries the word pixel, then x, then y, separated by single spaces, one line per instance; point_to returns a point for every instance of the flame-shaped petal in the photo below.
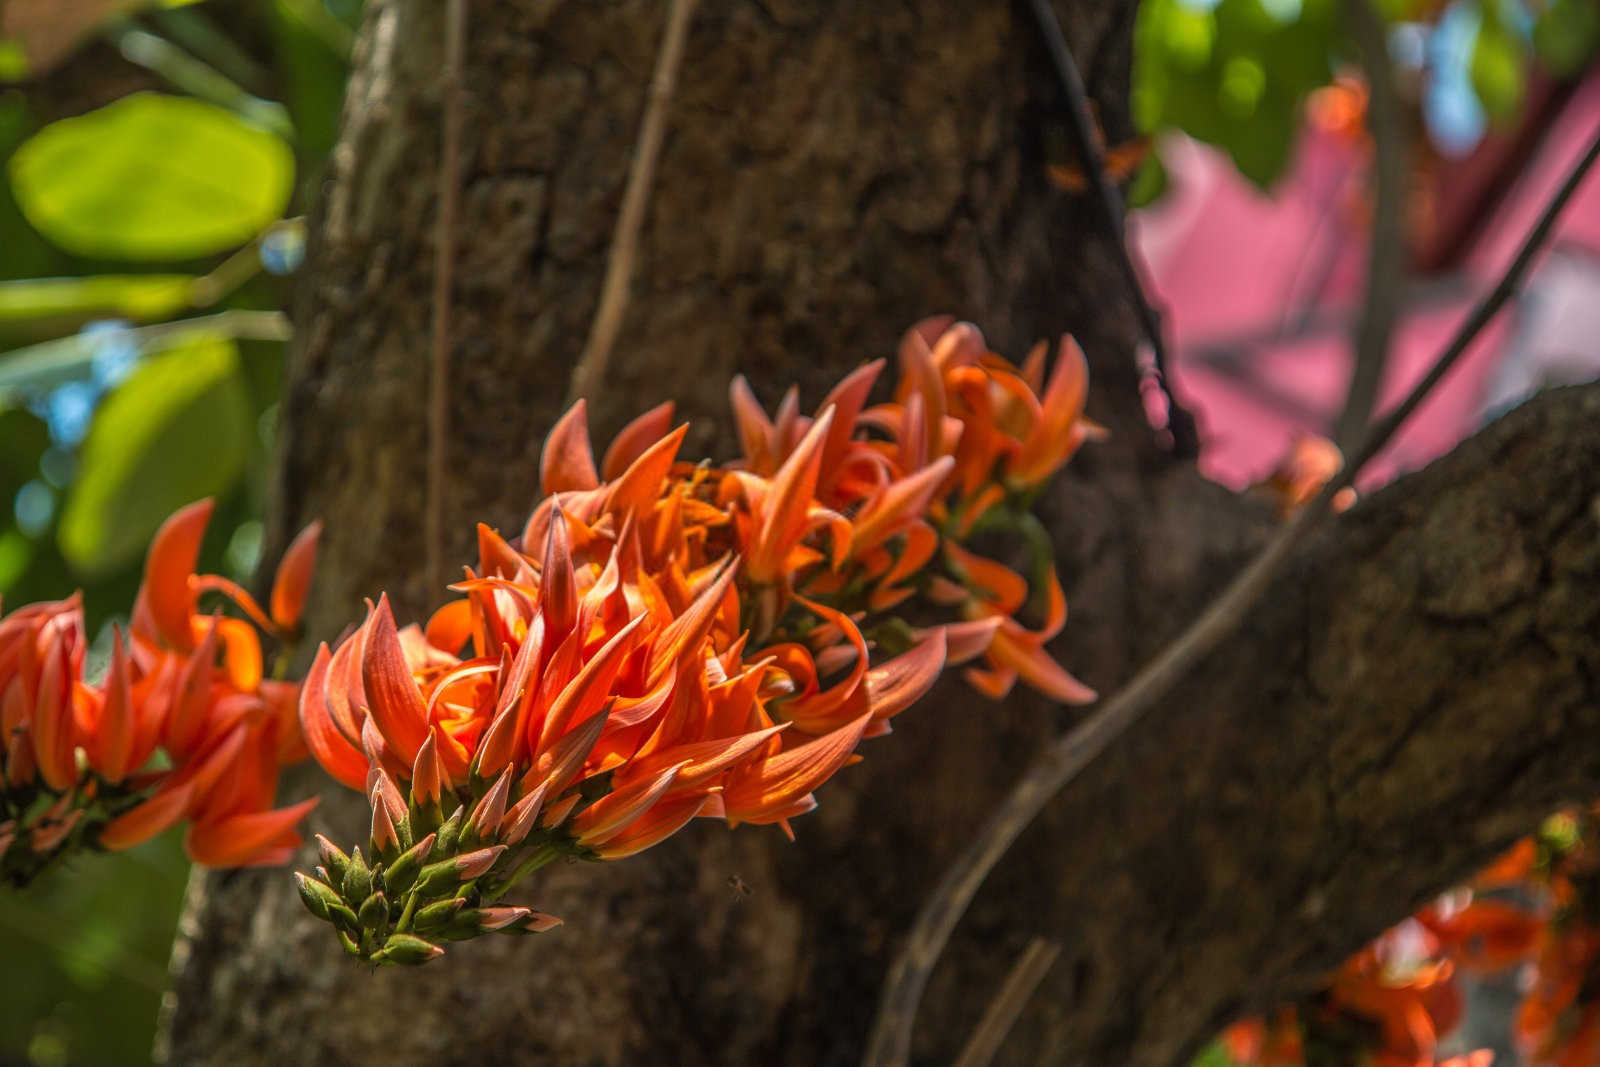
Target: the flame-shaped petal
pixel 395 703
pixel 567 462
pixel 172 558
pixel 293 579
pixel 778 781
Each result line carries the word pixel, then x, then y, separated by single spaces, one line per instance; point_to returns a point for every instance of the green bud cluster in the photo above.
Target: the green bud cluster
pixel 425 879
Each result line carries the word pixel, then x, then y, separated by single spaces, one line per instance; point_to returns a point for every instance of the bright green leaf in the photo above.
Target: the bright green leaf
pixel 152 177
pixel 177 429
pixel 1498 70
pixel 140 297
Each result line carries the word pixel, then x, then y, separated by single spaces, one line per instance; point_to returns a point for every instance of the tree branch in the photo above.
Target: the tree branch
pixel 590 373
pixel 1386 257
pixel 1068 756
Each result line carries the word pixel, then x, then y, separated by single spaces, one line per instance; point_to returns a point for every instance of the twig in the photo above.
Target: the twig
pixel 444 251
pixel 196 77
pixel 1386 259
pixel 890 1042
pixel 590 372
pixel 48 363
pixel 1001 1014
pixel 1080 125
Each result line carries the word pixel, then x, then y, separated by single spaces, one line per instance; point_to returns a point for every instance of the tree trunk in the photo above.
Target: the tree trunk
pixel 832 173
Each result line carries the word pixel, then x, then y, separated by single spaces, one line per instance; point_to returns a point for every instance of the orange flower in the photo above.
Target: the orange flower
pixel 670 640
pixel 186 683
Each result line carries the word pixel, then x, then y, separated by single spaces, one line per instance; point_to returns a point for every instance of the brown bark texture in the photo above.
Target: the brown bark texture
pixel 1416 691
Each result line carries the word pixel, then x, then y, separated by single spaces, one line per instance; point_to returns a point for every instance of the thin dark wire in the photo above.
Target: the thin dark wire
pixel 890 1042
pixel 1080 125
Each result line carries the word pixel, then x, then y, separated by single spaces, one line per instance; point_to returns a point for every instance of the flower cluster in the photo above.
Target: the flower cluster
pixel 668 639
pixel 1536 909
pixel 182 725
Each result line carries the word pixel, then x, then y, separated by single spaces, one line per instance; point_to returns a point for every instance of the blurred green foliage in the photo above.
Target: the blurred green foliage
pixel 1236 73
pixel 143 254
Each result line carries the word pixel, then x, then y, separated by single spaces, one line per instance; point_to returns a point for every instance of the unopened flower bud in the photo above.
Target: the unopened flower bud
pixel 357 877
pixel 403 871
pixel 436 915
pixel 406 950
pixel 374 913
pixel 333 859
pixel 316 895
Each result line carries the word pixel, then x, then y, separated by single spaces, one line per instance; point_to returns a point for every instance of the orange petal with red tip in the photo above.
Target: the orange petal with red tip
pixel 293 579
pixel 685 634
pixel 394 702
pixel 497 559
pixel 846 399
pixel 114 740
pixel 191 704
pixel 635 439
pixel 779 781
pixel 52 726
pixel 580 697
pixel 1036 667
pixel 640 485
pixel 899 504
pixel 450 628
pixel 567 462
pixel 606 817
pixel 167 568
pixel 558 586
pixel 241 653
pixel 788 503
pixel 238 840
pixel 756 434
pixel 666 818
pixel 144 821
pixel 700 760
pixel 896 685
pixel 967 640
pixel 1000 588
pixel 557 767
pixel 329 747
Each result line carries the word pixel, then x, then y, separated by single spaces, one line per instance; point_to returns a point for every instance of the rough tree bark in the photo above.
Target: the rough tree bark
pixel 1415 693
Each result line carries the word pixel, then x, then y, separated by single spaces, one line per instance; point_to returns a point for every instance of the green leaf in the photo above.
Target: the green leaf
pixel 1498 70
pixel 152 177
pixel 1566 35
pixel 177 429
pixel 140 297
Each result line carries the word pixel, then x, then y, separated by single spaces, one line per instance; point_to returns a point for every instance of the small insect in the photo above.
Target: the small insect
pixel 739 888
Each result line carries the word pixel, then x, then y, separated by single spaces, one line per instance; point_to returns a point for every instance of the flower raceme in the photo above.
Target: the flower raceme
pixel 668 640
pixel 182 725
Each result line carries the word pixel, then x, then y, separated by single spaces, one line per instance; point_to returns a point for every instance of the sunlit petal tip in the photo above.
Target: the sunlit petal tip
pixel 293 579
pixel 567 462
